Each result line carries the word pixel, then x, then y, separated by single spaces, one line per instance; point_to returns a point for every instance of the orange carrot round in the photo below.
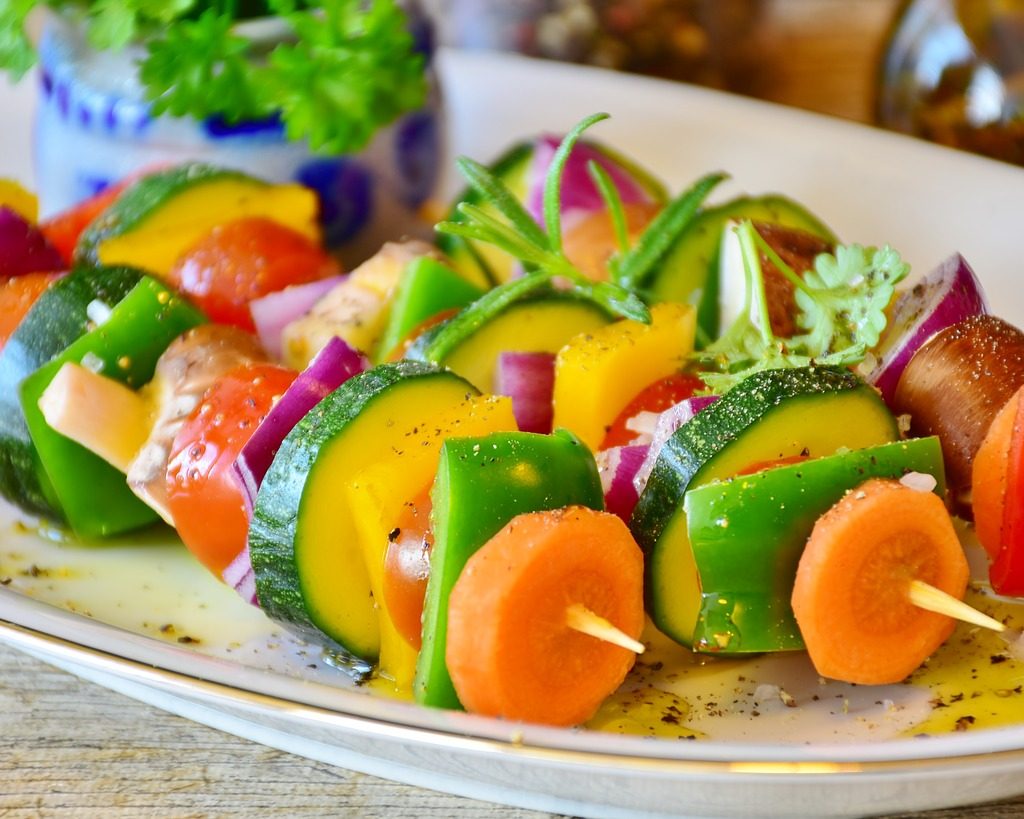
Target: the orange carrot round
pixel 988 477
pixel 510 650
pixel 851 596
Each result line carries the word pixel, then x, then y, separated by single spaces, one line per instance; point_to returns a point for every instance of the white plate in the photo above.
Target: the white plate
pixel 245 678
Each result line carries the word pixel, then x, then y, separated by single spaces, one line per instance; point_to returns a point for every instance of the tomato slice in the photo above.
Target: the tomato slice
pixel 656 397
pixel 245 259
pixel 204 497
pixel 63 230
pixel 1006 574
pixel 400 350
pixel 407 568
pixel 761 466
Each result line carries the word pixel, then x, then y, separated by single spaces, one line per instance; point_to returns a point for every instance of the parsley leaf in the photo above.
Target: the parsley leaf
pixel 201 68
pixel 16 54
pixel 345 68
pixel 842 305
pixel 350 70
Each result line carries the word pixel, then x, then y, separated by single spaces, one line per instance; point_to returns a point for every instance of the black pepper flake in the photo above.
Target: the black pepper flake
pixel 963 723
pixel 5 581
pixel 670 719
pixel 996 659
pixel 394 534
pixel 167 628
pixel 186 640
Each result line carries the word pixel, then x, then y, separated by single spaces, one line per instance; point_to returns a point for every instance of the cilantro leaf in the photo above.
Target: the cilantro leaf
pixel 844 300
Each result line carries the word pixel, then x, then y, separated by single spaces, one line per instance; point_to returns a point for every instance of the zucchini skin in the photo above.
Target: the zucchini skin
pixel 274 526
pixel 139 201
pixel 695 444
pixel 57 319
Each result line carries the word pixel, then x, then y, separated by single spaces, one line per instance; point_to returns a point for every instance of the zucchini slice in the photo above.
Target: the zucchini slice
pixel 540 324
pixel 162 215
pixel 311 574
pixel 773 414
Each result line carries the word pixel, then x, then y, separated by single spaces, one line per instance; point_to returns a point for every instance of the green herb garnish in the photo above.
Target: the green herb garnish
pixel 842 305
pixel 342 70
pixel 539 249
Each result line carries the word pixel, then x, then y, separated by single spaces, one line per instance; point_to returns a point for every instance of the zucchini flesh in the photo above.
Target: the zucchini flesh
pixel 540 325
pixel 770 415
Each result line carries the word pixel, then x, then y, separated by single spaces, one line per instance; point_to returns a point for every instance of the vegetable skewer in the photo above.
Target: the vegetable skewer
pixel 926 596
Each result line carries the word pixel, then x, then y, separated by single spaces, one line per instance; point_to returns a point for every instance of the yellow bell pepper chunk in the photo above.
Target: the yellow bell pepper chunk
pixel 376 498
pixel 103 415
pixel 21 201
pixel 157 243
pixel 598 373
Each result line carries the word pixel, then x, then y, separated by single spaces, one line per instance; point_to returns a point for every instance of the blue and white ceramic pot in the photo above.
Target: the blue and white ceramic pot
pixel 93 126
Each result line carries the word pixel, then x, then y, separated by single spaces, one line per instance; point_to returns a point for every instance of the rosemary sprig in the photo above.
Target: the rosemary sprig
pixel 540 249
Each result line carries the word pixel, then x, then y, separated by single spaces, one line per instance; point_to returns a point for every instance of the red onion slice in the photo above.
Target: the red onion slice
pixel 331 367
pixel 618 467
pixel 239 575
pixel 24 248
pixel 272 312
pixel 578 189
pixel 529 380
pixel 668 422
pixel 946 296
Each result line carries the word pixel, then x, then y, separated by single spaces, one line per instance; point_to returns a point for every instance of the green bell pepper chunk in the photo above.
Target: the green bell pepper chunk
pixel 426 288
pixel 482 483
pixel 90 494
pixel 747 535
pixel 59 317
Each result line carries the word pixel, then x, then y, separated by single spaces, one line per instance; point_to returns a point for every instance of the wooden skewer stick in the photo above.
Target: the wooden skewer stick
pixel 579 618
pixel 927 597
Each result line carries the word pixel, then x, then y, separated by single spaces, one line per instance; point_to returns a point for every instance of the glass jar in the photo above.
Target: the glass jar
pixel 711 42
pixel 953 72
pixel 93 126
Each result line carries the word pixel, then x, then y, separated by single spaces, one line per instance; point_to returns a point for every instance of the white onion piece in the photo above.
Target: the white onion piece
pixel 668 422
pixel 331 367
pixel 239 575
pixel 947 295
pixel 529 380
pixel 617 466
pixel 272 312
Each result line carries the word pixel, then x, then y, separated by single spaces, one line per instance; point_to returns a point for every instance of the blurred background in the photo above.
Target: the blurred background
pixel 947 70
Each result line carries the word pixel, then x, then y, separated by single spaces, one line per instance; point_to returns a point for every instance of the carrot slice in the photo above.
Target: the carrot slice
pixel 989 477
pixel 851 596
pixel 510 651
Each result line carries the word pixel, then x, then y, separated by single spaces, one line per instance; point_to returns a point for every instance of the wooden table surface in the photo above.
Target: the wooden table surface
pixel 70 748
